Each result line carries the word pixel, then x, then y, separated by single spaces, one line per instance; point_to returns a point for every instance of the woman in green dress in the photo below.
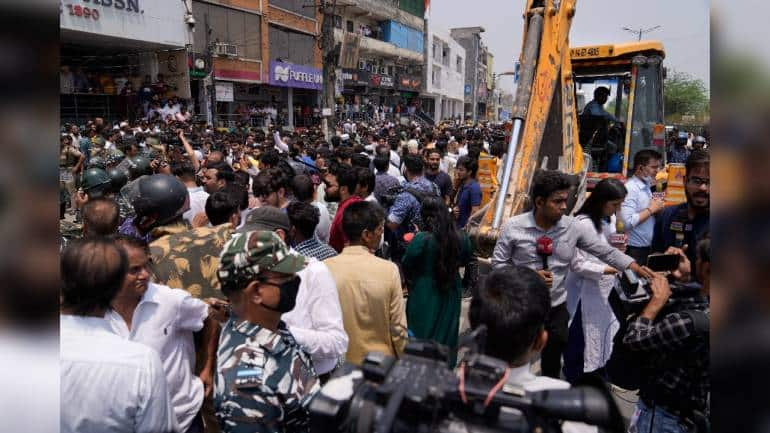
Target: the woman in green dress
pixel 431 266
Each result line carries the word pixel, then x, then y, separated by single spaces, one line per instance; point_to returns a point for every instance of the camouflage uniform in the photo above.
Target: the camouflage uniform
pixel 188 258
pixel 264 380
pixel 68 231
pixel 126 210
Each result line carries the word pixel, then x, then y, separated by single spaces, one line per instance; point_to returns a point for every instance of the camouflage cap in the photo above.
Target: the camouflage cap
pixel 245 255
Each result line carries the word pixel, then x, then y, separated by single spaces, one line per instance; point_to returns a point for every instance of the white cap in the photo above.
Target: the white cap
pixel 412 144
pixel 123 124
pixel 344 137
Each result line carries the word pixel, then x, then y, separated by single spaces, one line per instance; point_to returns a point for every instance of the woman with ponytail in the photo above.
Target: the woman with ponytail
pixel 431 266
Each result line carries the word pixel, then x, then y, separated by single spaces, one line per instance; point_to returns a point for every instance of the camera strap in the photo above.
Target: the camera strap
pixel 492 392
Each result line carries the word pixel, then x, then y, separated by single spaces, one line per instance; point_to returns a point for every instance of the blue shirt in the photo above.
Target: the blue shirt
pixel 468 196
pixel 637 200
pixel 678 154
pixel 406 209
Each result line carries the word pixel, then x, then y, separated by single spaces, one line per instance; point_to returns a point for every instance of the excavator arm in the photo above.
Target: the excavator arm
pixel 544 132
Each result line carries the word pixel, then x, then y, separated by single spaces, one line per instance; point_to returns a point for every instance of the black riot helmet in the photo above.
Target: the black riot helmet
pixel 138 166
pixel 96 182
pixel 118 178
pixel 158 200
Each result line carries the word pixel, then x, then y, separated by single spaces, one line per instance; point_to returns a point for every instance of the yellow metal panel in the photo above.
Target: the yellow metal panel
pixel 591 52
pixel 615 50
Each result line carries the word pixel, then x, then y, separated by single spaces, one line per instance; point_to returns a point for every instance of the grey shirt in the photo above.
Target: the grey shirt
pixel 517 245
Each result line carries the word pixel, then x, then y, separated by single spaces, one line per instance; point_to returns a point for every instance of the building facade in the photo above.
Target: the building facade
pixel 115 55
pixel 264 55
pixel 446 67
pixel 476 89
pixel 386 64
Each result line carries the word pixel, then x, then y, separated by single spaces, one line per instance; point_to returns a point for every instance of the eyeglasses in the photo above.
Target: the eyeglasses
pixel 699 181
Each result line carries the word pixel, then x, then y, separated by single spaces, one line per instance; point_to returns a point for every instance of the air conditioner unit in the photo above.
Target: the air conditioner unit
pixel 223 49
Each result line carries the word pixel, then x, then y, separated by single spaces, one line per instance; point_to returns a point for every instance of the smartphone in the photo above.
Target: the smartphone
pixel 663 262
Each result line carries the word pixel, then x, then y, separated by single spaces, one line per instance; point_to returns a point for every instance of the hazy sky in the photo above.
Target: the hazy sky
pixel 684 27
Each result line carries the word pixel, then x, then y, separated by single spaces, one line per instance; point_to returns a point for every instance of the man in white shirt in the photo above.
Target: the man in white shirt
pixel 108 384
pixel 197 195
pixel 513 304
pixel 165 319
pixel 316 320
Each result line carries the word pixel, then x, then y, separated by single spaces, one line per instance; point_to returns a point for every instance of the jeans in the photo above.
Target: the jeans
pixel 654 420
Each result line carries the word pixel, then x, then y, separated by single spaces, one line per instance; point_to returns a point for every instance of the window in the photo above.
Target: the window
pixel 293 47
pixel 296 7
pixel 228 26
pixel 337 22
pixel 459 64
pixel 436 77
pixel 390 70
pixel 445 55
pixel 349 25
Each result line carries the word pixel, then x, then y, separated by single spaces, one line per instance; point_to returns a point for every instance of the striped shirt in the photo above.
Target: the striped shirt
pixel 517 245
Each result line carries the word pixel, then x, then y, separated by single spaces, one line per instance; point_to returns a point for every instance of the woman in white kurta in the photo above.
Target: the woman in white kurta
pixel 590 281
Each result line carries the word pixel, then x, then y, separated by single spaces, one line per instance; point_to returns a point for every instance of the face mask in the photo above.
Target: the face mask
pixel 288 297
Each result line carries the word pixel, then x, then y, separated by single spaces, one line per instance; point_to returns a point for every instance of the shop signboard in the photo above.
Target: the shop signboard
pixel 383 81
pixel 225 91
pixel 409 82
pixel 355 77
pixel 297 76
pixel 152 21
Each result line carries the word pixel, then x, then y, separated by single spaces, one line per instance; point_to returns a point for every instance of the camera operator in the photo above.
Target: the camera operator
pixel 514 303
pixel 674 391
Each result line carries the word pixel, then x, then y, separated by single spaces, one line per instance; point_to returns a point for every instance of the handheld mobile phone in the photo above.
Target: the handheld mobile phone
pixel 663 262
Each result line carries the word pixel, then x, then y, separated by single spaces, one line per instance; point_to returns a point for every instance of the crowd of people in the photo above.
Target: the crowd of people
pixel 215 278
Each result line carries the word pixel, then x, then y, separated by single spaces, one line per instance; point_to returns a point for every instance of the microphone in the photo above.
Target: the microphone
pixel 544 249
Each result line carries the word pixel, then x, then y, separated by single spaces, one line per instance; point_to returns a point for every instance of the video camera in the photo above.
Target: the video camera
pixel 634 292
pixel 418 393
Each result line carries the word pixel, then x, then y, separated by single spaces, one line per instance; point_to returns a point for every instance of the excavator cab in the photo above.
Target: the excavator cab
pixel 633 73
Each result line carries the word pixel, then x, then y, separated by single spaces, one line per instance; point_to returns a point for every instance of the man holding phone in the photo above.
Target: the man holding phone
pixel 639 208
pixel 679 226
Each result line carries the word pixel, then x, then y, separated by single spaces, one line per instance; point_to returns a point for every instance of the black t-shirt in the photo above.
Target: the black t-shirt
pixel 442 181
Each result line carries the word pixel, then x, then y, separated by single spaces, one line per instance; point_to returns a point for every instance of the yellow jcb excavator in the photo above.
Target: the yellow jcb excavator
pixel 547 129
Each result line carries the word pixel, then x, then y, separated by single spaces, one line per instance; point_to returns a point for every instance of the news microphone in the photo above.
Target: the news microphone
pixel 544 249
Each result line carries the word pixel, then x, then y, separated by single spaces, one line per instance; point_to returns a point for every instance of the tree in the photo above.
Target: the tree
pixel 685 95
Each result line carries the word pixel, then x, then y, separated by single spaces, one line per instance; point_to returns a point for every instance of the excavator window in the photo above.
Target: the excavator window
pixel 602 103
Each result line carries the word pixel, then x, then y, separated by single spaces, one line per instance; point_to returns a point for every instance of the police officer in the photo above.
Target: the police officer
pixel 159 202
pixel 70 163
pixel 683 224
pixel 264 381
pixel 119 179
pixel 679 152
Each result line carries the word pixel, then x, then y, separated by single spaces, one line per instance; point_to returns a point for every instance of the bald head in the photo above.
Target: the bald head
pixel 101 217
